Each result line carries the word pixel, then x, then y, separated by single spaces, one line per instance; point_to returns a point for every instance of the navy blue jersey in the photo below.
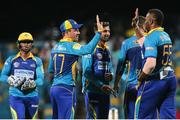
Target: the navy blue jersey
pixel 31 68
pixel 96 65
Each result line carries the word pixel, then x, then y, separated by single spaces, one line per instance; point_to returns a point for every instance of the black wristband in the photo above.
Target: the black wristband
pixel 142 76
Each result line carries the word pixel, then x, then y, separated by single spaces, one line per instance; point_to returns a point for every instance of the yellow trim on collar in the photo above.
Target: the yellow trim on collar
pixel 67 40
pixel 106 47
pixel 158 28
pixel 19 55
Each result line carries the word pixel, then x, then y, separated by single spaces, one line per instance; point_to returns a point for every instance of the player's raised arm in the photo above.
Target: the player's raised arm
pixel 89 48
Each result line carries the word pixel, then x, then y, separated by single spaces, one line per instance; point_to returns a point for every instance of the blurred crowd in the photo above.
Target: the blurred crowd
pixel 43 43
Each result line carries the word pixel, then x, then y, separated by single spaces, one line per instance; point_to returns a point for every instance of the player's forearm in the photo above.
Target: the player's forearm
pixel 4 75
pixel 39 82
pixel 149 65
pixel 117 79
pixel 89 48
pixel 119 71
pixel 40 76
pixel 4 78
pixel 147 69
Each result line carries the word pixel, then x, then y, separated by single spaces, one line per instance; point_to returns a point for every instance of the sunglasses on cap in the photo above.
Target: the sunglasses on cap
pixel 26 41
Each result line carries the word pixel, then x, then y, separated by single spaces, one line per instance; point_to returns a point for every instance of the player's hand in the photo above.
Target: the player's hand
pixel 99 25
pixel 28 84
pixel 107 89
pixel 108 77
pixel 15 81
pixel 135 19
pixel 11 80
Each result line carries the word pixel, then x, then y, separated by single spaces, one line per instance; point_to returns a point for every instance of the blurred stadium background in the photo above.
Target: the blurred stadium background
pixel 42 19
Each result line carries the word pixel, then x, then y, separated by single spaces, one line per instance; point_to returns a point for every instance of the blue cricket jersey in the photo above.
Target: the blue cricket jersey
pixel 94 67
pixel 64 58
pixel 158 44
pixel 131 55
pixel 31 67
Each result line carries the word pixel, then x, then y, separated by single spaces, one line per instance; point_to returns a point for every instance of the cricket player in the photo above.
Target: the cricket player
pixel 97 73
pixel 131 56
pixel 62 65
pixel 157 82
pixel 24 73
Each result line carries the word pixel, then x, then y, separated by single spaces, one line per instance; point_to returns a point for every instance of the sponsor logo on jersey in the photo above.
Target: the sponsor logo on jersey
pixel 33 65
pixel 102 65
pixel 34 105
pixel 59 47
pixel 16 64
pixel 149 48
pixel 24 73
pixel 77 46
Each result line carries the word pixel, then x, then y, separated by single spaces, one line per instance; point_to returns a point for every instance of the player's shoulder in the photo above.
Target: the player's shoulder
pixel 11 58
pixel 155 33
pixel 130 39
pixel 37 59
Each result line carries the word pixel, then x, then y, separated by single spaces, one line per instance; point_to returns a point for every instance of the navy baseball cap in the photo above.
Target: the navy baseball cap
pixel 69 24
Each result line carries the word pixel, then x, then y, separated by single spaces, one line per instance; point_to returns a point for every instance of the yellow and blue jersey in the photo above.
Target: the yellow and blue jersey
pixel 30 67
pixel 158 44
pixel 94 67
pixel 131 55
pixel 64 57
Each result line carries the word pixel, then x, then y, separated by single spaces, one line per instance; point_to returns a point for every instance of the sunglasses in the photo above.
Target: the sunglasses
pixel 26 41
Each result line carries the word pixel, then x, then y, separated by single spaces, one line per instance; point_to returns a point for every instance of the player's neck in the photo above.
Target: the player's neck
pixel 101 44
pixel 141 41
pixel 154 26
pixel 24 54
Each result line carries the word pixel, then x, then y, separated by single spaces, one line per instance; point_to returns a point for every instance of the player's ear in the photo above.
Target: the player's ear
pixel 18 45
pixel 151 21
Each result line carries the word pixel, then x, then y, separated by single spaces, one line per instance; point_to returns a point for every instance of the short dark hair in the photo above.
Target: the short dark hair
pixel 157 15
pixel 105 24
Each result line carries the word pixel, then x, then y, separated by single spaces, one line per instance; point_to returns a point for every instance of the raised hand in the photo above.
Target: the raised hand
pixel 99 25
pixel 136 13
pixel 135 19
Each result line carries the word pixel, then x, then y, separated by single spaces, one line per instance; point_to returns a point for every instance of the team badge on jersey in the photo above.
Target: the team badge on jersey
pixel 16 64
pixel 77 46
pixel 99 56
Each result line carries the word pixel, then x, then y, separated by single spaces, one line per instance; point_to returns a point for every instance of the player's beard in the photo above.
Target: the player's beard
pixel 106 38
pixel 76 38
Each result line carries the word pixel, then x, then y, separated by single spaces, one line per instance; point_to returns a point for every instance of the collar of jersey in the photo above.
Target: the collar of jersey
pixel 105 47
pixel 158 28
pixel 19 55
pixel 67 40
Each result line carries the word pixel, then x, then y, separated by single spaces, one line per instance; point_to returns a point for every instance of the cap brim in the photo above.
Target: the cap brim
pixel 78 26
